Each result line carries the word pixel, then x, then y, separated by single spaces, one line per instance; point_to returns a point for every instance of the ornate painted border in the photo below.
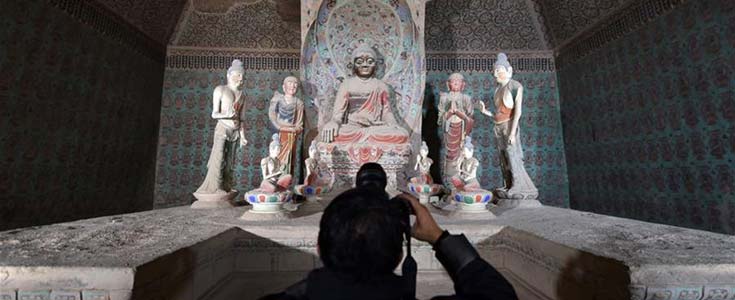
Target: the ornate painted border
pixel 288 59
pixel 111 25
pixel 542 61
pixel 218 59
pixel 615 26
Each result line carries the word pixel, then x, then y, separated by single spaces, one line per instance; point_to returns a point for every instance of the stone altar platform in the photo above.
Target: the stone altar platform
pixel 345 161
pixel 181 253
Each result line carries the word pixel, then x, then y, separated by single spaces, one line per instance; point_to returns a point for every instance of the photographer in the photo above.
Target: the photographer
pixel 360 242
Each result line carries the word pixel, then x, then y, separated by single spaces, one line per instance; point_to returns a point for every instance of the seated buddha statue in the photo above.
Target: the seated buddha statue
pixel 362 112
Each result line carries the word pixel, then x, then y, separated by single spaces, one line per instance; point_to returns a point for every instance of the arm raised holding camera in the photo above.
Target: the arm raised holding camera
pixel 473 277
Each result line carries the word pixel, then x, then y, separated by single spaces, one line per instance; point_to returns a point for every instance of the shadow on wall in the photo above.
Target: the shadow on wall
pixel 430 131
pixel 542 269
pixel 235 264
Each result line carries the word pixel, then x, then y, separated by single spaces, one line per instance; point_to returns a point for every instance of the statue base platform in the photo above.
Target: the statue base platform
pixel 265 202
pixel 345 160
pixel 258 216
pixel 463 211
pixel 215 200
pixel 509 199
pixel 424 191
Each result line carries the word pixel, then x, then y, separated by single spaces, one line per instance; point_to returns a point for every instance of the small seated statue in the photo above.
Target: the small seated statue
pixel 275 178
pixel 362 111
pixel 423 165
pixel 466 178
pixel 423 184
pixel 318 179
pixel 467 191
pixel 273 193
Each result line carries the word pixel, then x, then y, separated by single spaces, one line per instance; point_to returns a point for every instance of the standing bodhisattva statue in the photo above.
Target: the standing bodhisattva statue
pixel 227 103
pixel 508 107
pixel 455 119
pixel 286 113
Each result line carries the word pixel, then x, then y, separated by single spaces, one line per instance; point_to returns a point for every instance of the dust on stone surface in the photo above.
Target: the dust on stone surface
pixel 134 239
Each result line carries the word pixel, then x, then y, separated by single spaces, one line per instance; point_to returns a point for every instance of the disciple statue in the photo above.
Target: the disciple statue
pixel 362 111
pixel 227 103
pixel 275 176
pixel 455 119
pixel 423 166
pixel 508 103
pixel 286 113
pixel 466 175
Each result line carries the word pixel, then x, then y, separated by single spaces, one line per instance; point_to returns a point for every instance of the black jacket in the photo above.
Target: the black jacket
pixel 473 279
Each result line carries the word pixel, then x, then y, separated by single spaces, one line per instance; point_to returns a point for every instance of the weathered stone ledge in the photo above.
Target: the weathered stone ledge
pixel 180 253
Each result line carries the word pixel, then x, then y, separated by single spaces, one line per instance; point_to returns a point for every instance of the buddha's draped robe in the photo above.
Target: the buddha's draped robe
pixel 362 108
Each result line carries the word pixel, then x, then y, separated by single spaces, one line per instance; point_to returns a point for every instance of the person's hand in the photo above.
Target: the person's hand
pixel 425 229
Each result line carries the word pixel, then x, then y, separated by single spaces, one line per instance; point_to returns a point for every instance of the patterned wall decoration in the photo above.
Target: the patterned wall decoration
pixel 567 18
pixel 112 26
pixel 157 19
pixel 541 130
pixel 616 26
pixel 252 25
pixel 186 126
pixel 78 118
pixel 481 26
pixel 649 120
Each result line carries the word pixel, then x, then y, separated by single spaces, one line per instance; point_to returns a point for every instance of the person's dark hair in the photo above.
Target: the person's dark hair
pixel 371 174
pixel 361 234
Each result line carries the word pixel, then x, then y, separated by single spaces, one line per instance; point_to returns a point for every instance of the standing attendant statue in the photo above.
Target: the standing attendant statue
pixel 217 190
pixel 455 119
pixel 518 189
pixel 286 113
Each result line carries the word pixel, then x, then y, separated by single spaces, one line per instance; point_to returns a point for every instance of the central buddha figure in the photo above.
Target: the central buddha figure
pixel 362 112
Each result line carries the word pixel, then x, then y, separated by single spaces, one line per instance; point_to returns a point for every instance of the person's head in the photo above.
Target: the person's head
pixel 469 149
pixel 502 69
pixel 275 146
pixel 290 85
pixel 361 234
pixel 456 82
pixel 235 73
pixel 364 61
pixel 372 175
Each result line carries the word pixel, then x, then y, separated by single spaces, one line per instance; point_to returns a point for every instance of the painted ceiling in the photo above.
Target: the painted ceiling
pixel 452 25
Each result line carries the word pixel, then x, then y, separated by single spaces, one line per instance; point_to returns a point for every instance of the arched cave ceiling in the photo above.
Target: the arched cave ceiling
pixel 451 25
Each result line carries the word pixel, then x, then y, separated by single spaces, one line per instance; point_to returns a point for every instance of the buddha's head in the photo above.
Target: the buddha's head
pixel 364 61
pixel 290 85
pixel 502 70
pixel 275 146
pixel 469 149
pixel 235 74
pixel 424 150
pixel 456 82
